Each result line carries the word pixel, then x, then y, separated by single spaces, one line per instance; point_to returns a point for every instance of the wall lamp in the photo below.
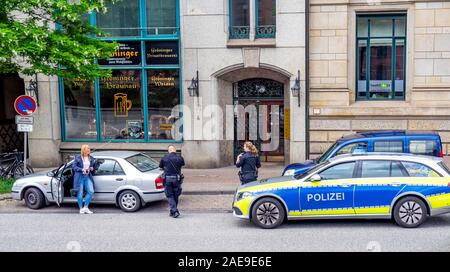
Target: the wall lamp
pixel 193 88
pixel 32 90
pixel 296 88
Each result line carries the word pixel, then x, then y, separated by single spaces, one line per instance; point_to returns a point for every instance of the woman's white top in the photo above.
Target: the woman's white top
pixel 86 162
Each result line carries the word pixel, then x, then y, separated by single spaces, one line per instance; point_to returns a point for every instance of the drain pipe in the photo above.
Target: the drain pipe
pixel 307 15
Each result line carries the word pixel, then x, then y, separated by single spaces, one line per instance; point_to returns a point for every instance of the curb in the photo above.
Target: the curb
pixel 5 197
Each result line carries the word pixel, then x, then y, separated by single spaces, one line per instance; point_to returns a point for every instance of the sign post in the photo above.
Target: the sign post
pixel 25 106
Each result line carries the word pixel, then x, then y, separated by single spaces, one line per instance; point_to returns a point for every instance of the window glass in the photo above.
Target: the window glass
pixel 240 19
pixel 360 147
pixel 267 12
pixel 380 169
pixel 423 147
pixel 381 27
pixel 388 146
pixel 118 169
pixel 419 170
pixel 340 171
pixel 163 96
pixel 399 67
pixel 363 27
pixel 121 18
pixel 79 109
pixel 104 167
pixel 400 27
pixel 325 155
pixel 143 163
pixel 380 85
pixel 121 105
pixel 161 17
pixel 362 68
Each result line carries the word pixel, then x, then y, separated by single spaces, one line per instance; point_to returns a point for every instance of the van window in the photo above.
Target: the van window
pixel 380 169
pixel 419 170
pixel 388 146
pixel 423 147
pixel 360 147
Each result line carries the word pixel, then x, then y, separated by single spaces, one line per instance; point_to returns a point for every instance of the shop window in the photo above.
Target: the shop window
pixel 240 19
pixel 381 45
pixel 161 17
pixel 121 105
pixel 79 110
pixel 121 19
pixel 163 95
pixel 266 19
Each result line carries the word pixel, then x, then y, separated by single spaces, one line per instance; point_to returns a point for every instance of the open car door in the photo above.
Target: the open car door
pixel 56 185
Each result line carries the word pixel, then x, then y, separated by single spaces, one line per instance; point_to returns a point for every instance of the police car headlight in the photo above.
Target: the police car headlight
pixel 289 172
pixel 243 195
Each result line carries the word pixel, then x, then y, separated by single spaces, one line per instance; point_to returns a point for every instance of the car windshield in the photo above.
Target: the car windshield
pixel 327 153
pixel 142 162
pixel 300 176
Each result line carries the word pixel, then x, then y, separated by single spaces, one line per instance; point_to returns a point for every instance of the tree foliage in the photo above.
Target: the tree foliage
pixel 52 37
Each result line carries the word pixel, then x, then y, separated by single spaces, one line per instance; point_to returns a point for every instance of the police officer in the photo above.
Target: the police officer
pixel 171 163
pixel 249 162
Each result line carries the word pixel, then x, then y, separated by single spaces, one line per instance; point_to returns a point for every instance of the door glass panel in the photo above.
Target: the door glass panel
pixel 340 171
pixel 396 170
pixel 375 169
pixel 118 169
pixel 104 167
pixel 380 69
pixel 121 105
pixel 388 146
pixel 419 170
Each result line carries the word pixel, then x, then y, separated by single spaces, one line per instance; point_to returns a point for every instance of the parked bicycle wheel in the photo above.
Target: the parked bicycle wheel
pixel 18 170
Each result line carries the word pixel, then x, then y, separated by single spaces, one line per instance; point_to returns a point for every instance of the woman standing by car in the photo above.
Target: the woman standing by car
pixel 249 162
pixel 83 167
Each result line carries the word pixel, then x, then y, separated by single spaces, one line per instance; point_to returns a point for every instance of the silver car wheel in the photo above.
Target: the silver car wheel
pixel 128 201
pixel 32 198
pixel 268 213
pixel 410 212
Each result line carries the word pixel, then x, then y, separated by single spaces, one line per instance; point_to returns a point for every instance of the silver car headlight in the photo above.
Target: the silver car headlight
pixel 243 195
pixel 289 172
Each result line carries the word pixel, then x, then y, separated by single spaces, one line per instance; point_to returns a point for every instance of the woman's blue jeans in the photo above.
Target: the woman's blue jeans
pixel 86 182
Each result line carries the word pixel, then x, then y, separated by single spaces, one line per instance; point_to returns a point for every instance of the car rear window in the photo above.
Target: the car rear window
pixel 419 170
pixel 142 162
pixel 423 147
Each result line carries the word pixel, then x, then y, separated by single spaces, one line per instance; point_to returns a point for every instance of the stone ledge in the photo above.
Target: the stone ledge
pixel 238 43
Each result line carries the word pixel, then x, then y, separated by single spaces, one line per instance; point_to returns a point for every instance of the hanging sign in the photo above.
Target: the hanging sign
pixel 161 52
pixel 128 53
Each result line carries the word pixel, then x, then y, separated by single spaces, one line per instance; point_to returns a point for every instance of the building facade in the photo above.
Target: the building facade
pixel 378 65
pixel 290 75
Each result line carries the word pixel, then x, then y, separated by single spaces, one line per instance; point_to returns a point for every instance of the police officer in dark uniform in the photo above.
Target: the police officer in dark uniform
pixel 171 164
pixel 249 162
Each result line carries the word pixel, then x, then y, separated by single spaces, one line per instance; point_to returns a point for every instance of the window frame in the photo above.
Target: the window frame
pixel 114 168
pixel 143 67
pixel 394 38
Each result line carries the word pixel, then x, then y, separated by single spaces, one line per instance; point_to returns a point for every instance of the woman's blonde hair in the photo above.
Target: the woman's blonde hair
pixel 84 149
pixel 251 147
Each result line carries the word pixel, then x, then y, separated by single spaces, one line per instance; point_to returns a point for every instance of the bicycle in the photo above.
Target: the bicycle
pixel 11 165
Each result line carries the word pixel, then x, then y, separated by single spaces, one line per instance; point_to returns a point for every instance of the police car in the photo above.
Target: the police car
pixel 403 187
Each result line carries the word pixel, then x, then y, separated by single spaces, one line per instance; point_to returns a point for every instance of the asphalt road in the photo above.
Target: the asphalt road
pixel 153 230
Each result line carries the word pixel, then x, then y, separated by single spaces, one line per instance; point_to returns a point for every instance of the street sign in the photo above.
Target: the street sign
pixel 24 120
pixel 25 105
pixel 24 128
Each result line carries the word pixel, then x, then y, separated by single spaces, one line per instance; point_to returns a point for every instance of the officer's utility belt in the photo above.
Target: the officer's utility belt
pixel 174 178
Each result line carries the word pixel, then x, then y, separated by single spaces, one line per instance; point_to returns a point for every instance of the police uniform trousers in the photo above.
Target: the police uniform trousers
pixel 172 188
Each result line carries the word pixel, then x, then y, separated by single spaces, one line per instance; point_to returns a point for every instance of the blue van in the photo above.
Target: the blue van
pixel 394 141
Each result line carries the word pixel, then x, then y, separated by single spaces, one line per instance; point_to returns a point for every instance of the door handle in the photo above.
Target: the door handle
pixel 346 185
pixel 396 184
pixel 119 179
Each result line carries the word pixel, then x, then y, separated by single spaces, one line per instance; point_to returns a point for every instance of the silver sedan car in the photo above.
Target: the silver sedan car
pixel 127 179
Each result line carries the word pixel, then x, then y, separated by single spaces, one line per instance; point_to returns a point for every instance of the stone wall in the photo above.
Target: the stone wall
pixel 334 111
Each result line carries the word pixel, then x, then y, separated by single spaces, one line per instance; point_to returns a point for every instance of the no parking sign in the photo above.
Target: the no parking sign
pixel 25 105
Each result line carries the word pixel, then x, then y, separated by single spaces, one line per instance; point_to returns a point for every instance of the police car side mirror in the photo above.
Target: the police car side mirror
pixel 315 178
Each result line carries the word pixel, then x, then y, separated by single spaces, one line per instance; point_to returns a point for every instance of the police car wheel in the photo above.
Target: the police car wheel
pixel 34 198
pixel 129 201
pixel 410 212
pixel 268 213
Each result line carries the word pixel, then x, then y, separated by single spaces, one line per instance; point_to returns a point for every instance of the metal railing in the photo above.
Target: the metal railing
pixel 239 32
pixel 266 31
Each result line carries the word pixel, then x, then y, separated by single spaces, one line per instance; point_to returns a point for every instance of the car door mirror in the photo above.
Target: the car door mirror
pixel 315 178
